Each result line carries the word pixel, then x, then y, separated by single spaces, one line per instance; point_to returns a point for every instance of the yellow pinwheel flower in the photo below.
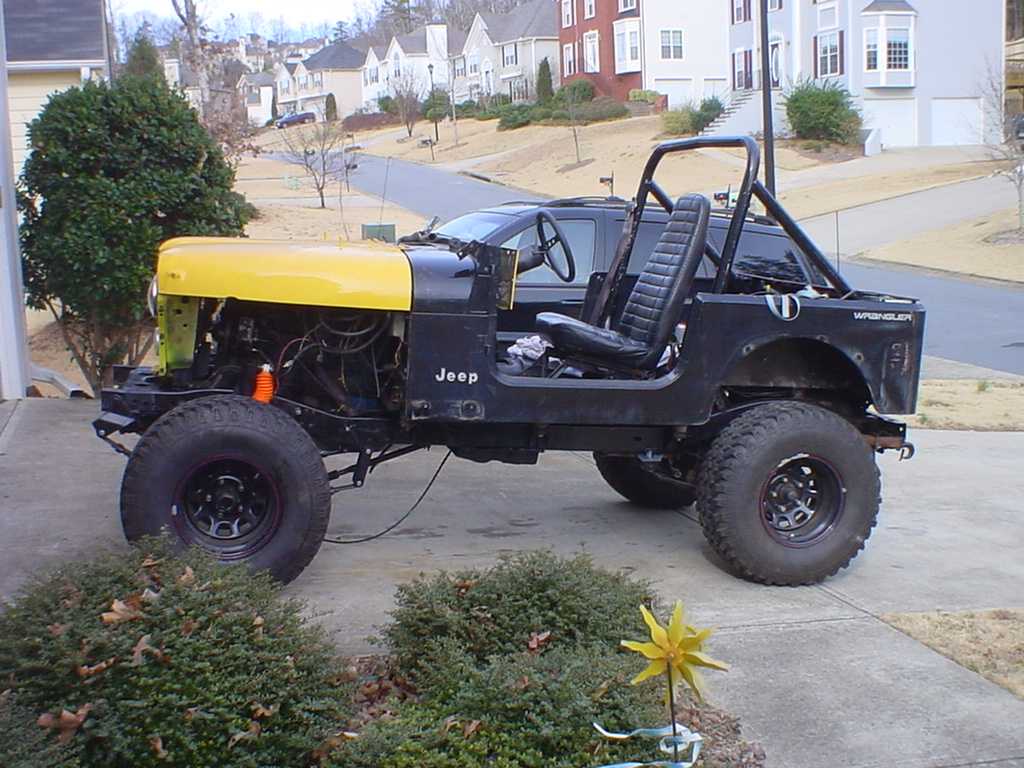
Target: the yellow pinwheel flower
pixel 677 650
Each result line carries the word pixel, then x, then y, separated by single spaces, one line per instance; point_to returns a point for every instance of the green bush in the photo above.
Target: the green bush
pixel 512 116
pixel 545 90
pixel 710 109
pixel 601 108
pixel 175 660
pixel 114 170
pixel 467 108
pixel 823 112
pixel 677 122
pixel 639 94
pixel 23 744
pixel 387 104
pixel 496 610
pixel 330 108
pixel 577 92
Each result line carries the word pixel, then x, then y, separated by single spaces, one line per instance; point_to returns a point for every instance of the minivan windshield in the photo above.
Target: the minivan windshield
pixel 473 226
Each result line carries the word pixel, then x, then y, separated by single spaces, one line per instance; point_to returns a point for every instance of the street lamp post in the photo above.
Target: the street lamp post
pixel 430 71
pixel 766 89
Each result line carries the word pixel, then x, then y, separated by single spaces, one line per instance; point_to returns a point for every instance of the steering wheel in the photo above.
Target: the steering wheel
pixel 568 273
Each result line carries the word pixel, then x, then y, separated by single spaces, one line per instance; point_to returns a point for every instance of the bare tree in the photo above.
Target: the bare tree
pixel 1006 149
pixel 192 45
pixel 573 121
pixel 320 149
pixel 405 90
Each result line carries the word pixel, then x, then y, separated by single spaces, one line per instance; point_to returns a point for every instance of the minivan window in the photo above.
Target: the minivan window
pixel 582 234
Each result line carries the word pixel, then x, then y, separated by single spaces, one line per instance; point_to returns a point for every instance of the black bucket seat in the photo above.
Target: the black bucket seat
pixel 655 306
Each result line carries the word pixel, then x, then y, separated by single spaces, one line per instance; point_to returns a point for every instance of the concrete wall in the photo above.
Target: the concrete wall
pixel 27 94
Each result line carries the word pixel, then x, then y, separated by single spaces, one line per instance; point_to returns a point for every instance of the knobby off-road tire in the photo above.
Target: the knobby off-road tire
pixel 765 464
pixel 641 485
pixel 238 478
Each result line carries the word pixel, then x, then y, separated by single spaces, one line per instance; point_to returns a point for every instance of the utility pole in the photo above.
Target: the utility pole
pixel 14 380
pixel 766 88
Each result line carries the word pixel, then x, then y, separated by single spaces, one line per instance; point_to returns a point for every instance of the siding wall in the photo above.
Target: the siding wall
pixel 27 94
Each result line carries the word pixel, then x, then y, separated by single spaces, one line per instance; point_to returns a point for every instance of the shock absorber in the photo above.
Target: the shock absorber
pixel 263 390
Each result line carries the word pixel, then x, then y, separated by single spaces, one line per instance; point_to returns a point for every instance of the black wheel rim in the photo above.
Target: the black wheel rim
pixel 228 506
pixel 802 501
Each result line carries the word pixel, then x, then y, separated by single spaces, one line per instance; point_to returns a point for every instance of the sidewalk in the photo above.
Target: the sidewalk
pixel 816 676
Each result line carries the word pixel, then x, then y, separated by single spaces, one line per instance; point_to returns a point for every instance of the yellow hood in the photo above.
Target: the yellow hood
pixel 364 275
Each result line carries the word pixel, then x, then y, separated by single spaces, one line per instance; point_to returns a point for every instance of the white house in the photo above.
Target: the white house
pixel 686 49
pixel 502 52
pixel 336 69
pixel 374 77
pixel 421 58
pixel 257 92
pixel 297 89
pixel 918 69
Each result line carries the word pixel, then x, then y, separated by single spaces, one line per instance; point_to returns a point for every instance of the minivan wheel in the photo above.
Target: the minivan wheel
pixel 237 478
pixel 788 493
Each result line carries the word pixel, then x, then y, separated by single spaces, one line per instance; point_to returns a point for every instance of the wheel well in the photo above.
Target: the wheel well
pixel 800 364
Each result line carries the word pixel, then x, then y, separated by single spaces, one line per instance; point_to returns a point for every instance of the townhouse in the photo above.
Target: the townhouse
pixel 502 52
pixel 919 70
pixel 420 58
pixel 676 47
pixel 257 92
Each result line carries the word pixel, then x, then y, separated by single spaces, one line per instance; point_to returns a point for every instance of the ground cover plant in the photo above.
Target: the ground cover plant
pixel 143 659
pixel 149 659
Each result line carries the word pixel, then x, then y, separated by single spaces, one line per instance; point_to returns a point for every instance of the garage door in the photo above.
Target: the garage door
pixel 956 122
pixel 678 90
pixel 895 118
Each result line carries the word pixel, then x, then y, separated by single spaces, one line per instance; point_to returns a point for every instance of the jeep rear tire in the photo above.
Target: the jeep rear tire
pixel 643 485
pixel 788 494
pixel 237 478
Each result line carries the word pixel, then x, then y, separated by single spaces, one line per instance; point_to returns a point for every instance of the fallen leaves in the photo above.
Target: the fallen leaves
pixel 188 626
pixel 452 722
pixel 187 577
pixel 158 747
pixel 143 647
pixel 58 629
pixel 332 743
pixel 66 723
pixel 537 641
pixel 120 611
pixel 254 730
pixel 259 711
pixel 85 671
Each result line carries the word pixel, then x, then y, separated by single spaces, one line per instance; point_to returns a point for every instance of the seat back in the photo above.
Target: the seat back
pixel 656 303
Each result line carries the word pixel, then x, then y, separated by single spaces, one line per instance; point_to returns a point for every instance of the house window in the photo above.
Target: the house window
pixel 568 60
pixel 870 50
pixel 589 9
pixel 510 55
pixel 374 75
pixel 460 67
pixel 897 49
pixel 627 5
pixel 828 16
pixel 671 43
pixel 740 11
pixel 396 66
pixel 591 53
pixel 474 64
pixel 828 54
pixel 567 13
pixel 774 5
pixel 627 46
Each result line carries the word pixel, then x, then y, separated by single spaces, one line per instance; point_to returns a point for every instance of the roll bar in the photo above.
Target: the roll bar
pixel 749 187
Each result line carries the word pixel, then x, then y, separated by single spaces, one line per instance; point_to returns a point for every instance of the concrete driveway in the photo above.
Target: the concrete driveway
pixel 817 677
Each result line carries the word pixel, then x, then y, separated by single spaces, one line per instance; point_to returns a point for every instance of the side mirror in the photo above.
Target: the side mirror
pixel 530 257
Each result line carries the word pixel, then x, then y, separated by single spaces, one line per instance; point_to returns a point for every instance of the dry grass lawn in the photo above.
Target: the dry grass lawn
pixel 962 248
pixel 990 643
pixel 979 405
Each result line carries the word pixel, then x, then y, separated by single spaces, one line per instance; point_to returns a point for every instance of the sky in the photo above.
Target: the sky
pixel 296 13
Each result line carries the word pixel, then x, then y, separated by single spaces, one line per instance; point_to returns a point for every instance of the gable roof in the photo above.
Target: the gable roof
pixel 532 19
pixel 456 40
pixel 881 6
pixel 54 30
pixel 414 42
pixel 338 55
pixel 258 78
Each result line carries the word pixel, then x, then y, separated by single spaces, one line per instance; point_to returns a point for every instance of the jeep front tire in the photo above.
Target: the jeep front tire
pixel 788 493
pixel 237 478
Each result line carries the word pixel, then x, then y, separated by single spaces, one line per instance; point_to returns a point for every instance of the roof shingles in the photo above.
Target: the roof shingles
pixel 54 30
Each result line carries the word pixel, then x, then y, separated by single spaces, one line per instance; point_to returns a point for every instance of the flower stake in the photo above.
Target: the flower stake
pixel 676 652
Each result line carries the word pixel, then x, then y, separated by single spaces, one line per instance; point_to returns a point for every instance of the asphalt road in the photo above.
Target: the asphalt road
pixel 970 321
